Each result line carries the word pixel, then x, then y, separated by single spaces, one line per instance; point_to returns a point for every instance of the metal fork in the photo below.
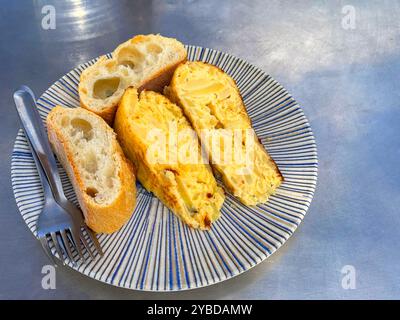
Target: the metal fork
pixel 60 220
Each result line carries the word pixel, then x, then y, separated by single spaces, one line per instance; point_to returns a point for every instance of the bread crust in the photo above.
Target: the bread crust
pixel 107 113
pixel 100 218
pixel 161 79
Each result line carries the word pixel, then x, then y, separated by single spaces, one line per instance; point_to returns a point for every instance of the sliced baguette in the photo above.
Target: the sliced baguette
pixel 103 179
pixel 211 101
pixel 187 187
pixel 143 62
pixel 102 85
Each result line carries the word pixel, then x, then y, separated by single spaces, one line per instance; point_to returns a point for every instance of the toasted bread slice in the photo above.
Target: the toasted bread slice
pixel 143 62
pixel 211 101
pixel 103 179
pixel 156 136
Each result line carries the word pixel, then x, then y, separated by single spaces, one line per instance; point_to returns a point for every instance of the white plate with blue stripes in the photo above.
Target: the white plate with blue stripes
pixel 155 251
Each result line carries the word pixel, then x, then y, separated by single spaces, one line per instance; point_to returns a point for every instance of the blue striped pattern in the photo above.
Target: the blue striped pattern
pixel 155 250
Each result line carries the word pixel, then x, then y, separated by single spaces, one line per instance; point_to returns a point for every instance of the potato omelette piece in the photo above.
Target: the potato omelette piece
pixel 158 139
pixel 212 102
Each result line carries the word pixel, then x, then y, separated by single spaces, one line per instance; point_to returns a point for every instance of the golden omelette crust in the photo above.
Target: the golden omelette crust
pixel 189 190
pixel 100 218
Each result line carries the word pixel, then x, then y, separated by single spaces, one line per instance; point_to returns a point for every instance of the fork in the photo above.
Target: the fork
pixel 60 220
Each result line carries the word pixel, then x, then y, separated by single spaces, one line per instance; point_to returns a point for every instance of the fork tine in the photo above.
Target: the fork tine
pixel 58 247
pixel 93 238
pixel 46 248
pixel 86 244
pixel 75 238
pixel 67 246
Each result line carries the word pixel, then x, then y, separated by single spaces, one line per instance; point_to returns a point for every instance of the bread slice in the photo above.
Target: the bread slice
pixel 103 179
pixel 153 59
pixel 143 62
pixel 102 85
pixel 159 140
pixel 212 102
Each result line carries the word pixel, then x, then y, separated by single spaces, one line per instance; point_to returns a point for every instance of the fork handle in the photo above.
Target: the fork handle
pixel 34 129
pixel 42 176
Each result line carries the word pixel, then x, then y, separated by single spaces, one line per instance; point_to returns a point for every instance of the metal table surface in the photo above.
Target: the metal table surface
pixel 341 64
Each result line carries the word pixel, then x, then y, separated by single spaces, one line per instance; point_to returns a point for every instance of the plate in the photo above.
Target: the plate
pixel 155 251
